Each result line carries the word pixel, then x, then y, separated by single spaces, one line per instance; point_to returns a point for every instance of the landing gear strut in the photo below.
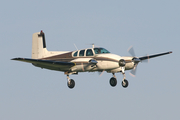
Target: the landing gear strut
pixel 124 82
pixel 70 82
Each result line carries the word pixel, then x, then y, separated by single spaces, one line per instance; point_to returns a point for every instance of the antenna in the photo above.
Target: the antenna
pixel 93 45
pixel 75 46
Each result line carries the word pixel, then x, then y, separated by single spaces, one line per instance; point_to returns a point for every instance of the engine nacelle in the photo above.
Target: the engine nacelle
pixel 122 62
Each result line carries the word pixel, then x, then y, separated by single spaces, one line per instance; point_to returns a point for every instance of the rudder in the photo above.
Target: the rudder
pixel 38 45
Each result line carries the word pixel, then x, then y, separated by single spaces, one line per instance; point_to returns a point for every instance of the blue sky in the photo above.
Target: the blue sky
pixel 28 92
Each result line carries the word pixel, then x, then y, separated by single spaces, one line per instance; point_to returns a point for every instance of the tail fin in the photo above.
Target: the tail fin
pixel 38 45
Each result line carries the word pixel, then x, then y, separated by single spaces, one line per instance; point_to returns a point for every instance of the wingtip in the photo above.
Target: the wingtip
pixel 13 58
pixel 170 52
pixel 17 58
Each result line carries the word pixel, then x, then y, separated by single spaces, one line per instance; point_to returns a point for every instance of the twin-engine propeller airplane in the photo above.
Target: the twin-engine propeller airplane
pixel 85 60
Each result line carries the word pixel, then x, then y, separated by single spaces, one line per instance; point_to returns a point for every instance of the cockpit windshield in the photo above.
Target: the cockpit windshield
pixel 100 50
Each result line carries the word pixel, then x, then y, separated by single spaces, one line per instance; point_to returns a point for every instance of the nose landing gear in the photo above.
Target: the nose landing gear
pixel 113 80
pixel 125 83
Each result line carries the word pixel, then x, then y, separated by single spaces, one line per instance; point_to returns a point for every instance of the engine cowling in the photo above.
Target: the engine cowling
pixel 122 62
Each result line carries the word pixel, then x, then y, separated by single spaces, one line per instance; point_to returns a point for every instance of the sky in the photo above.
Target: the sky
pixel 31 93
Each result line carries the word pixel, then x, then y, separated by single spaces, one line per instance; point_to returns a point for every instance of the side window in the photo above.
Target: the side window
pixel 75 54
pixel 100 50
pixel 89 52
pixel 97 50
pixel 81 53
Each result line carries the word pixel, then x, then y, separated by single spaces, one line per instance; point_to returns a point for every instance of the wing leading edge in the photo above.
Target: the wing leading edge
pixel 155 55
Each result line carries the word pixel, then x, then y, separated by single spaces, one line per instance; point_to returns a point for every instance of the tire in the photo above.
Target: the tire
pixel 113 82
pixel 126 83
pixel 71 83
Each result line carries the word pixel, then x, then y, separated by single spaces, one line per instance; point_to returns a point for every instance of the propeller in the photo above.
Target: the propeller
pixel 131 51
pixel 135 60
pixel 133 71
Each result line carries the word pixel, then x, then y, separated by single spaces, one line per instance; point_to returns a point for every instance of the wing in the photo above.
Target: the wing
pixel 155 55
pixel 48 64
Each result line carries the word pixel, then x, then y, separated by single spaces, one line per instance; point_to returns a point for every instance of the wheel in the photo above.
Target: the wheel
pixel 125 83
pixel 71 83
pixel 113 82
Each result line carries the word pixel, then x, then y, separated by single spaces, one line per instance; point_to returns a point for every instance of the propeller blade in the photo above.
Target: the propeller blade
pixel 133 71
pixel 131 51
pixel 101 73
pixel 146 60
pixel 82 67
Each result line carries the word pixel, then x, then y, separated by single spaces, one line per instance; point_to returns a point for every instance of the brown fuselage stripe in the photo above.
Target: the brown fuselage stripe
pixel 67 57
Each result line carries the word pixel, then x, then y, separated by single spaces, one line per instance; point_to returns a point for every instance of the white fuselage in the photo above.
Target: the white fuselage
pixel 105 62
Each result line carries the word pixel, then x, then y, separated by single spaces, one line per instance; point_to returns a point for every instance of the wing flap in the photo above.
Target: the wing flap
pixel 46 62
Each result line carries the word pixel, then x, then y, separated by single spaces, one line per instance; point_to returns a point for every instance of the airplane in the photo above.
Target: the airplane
pixel 85 60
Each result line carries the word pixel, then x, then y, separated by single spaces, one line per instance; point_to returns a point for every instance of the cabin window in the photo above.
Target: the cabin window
pixel 89 52
pixel 100 50
pixel 81 53
pixel 75 54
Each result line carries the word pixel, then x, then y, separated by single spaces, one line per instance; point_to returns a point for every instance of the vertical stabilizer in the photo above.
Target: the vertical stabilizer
pixel 38 45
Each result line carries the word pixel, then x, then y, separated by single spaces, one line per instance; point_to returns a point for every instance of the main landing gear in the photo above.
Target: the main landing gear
pixel 113 81
pixel 70 82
